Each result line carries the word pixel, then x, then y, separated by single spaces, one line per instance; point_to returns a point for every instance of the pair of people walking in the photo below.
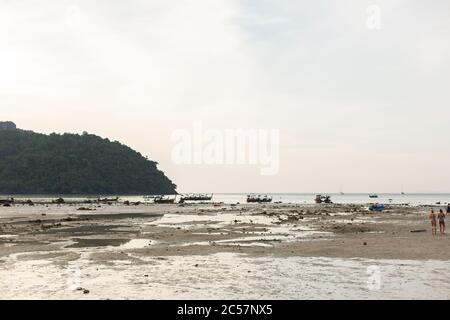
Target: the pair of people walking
pixel 434 218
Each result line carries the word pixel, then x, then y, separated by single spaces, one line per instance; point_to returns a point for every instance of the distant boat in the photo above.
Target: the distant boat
pixel 197 197
pixel 108 199
pixel 258 199
pixel 164 200
pixel 322 199
pixel 373 196
pixel 7 202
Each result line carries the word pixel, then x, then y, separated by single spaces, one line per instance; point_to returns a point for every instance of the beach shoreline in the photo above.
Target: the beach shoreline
pixel 127 237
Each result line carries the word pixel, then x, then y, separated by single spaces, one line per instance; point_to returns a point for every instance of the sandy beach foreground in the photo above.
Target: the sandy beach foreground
pixel 273 251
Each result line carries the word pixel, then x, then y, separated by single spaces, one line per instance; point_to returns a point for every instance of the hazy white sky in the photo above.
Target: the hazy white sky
pixel 364 109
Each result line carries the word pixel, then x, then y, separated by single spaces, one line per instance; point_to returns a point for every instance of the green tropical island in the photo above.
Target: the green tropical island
pixel 72 164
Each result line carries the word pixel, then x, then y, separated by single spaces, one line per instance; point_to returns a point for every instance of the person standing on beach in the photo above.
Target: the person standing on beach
pixel 441 218
pixel 432 217
pixel 448 208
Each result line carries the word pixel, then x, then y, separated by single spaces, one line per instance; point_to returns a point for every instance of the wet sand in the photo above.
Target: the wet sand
pixel 316 251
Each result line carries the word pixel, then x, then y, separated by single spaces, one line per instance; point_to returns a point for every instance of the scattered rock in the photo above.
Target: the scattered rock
pixel 85 209
pixel 59 201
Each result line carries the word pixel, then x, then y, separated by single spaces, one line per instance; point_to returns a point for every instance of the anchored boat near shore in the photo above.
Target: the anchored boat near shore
pixel 164 199
pixel 197 197
pixel 322 199
pixel 161 199
pixel 6 202
pixel 258 199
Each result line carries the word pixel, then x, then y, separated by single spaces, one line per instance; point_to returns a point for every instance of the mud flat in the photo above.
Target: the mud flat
pixel 273 251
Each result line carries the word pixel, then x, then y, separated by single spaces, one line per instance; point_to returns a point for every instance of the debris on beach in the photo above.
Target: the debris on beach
pixel 85 209
pixel 377 207
pixel 59 201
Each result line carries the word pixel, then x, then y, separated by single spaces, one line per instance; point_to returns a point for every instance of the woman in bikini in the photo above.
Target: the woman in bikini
pixel 432 217
pixel 441 218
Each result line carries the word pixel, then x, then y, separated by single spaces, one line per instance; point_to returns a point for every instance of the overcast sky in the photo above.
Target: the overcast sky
pixel 365 110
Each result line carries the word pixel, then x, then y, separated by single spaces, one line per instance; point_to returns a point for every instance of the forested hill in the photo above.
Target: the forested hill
pixel 69 164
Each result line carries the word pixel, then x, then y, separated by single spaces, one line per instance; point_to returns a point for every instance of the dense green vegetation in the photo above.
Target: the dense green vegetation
pixel 69 164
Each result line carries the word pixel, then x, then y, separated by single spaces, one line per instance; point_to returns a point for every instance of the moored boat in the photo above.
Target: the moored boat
pixel 258 199
pixel 323 199
pixel 164 200
pixel 197 197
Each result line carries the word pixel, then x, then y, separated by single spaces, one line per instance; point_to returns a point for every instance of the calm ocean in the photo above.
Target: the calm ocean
pixel 357 198
pixel 308 198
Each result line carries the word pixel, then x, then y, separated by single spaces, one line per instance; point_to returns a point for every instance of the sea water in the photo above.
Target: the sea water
pixel 298 198
pixel 350 198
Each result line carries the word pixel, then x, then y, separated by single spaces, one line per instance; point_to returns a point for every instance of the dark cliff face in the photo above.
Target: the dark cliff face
pixel 32 163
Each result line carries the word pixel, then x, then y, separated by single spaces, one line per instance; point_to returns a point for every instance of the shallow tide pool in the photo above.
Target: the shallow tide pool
pixel 225 276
